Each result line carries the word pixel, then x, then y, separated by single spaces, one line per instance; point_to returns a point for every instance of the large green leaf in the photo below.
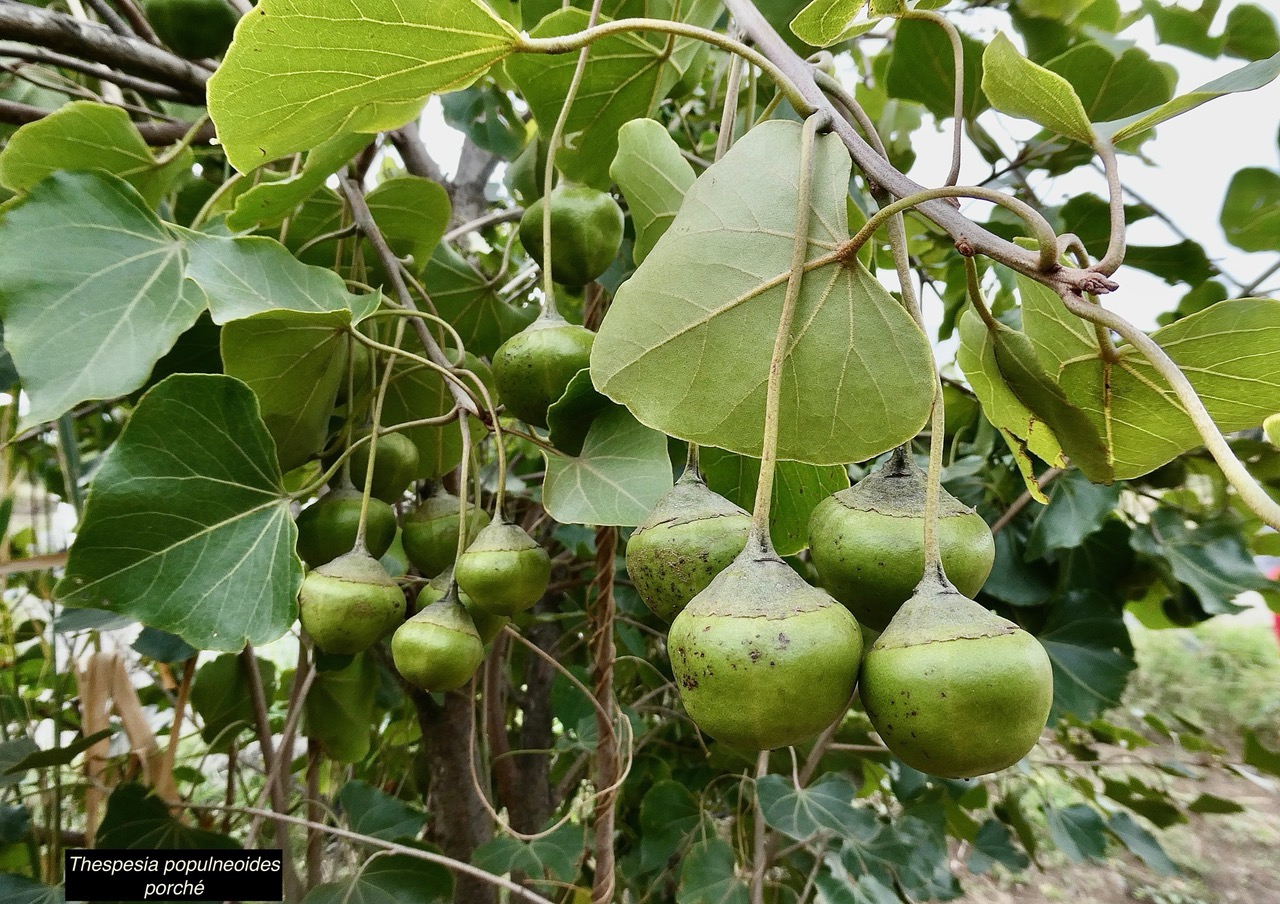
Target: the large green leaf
pixel 922 68
pixel 91 291
pixel 300 71
pixel 668 814
pixel 654 177
pixel 826 22
pixel 221 695
pixel 1231 354
pixel 417 392
pixel 1251 210
pixel 1111 86
pixel 1076 509
pixel 617 479
pixel 707 875
pixel 1057 335
pixel 797 490
pixel 138 820
pixel 1092 656
pixel 688 341
pixel 86 136
pixel 295 362
pixel 370 811
pixel 412 214
pixel 187 527
pixel 1211 559
pixel 801 813
pixel 1141 843
pixel 1246 78
pixel 556 855
pixel 627 76
pixel 469 301
pixel 1078 831
pixel 254 274
pixel 339 709
pixel 1019 87
pixel 389 879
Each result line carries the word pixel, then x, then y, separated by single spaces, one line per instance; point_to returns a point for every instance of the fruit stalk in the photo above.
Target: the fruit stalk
pixel 781 345
pixel 362 530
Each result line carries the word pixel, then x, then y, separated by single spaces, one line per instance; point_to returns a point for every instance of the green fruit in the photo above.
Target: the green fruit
pixel 194 29
pixel 953 689
pixel 394 467
pixel 438 649
pixel 761 659
pixel 867 542
pixel 691 536
pixel 431 531
pixel 586 233
pixel 527 174
pixel 487 625
pixel 1271 430
pixel 533 368
pixel 327 527
pixel 360 361
pixel 350 604
pixel 503 570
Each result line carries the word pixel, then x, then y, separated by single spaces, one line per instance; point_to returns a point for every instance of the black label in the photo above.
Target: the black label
pixel 139 875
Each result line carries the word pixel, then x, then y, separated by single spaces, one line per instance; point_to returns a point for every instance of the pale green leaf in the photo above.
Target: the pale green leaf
pixel 91 291
pixel 187 527
pixel 412 214
pixel 1251 211
pixel 826 22
pixel 295 362
pixel 1110 86
pixel 1057 335
pixel 85 136
pixel 687 342
pixel 627 76
pixel 469 300
pixel 255 274
pixel 301 71
pixel 1246 78
pixel 654 177
pixel 417 392
pixel 618 478
pixel 1018 87
pixel 797 490
pixel 1231 354
pixel 269 202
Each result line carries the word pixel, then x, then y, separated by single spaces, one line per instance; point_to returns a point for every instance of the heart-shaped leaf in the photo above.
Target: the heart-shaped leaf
pixel 279 91
pixel 90 322
pixel 469 301
pixel 187 527
pixel 688 340
pixel 801 813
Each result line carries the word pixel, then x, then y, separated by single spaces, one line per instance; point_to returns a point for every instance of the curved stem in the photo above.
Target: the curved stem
pixel 1039 226
pixel 484 222
pixel 729 117
pixel 363 525
pixel 1116 243
pixel 549 173
pixel 1251 492
pixel 679 29
pixel 957 53
pixel 782 342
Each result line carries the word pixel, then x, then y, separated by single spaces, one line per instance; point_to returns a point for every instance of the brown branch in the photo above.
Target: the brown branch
pixel 417 161
pixel 111 18
pixel 63 34
pixel 1021 502
pixel 138 21
pixel 604 653
pixel 156 134
pixel 753 24
pixel 98 71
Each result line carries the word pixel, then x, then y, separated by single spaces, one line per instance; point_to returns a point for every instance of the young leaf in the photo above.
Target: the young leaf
pixel 278 90
pixel 85 136
pixel 187 527
pixel 654 177
pixel 1019 87
pixel 89 323
pixel 826 22
pixel 269 202
pixel 687 343
pixel 621 473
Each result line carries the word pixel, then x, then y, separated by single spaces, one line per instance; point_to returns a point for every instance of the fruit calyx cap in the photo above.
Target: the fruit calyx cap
pixel 448 612
pixel 689 500
pixel 897 488
pixel 357 567
pixel 440 504
pixel 758 584
pixel 936 613
pixel 499 536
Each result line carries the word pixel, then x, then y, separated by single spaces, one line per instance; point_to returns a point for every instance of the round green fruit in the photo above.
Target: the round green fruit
pixel 327 528
pixel 194 29
pixel 533 368
pixel 350 604
pixel 953 689
pixel 691 536
pixel 761 659
pixel 504 570
pixel 586 233
pixel 438 649
pixel 394 467
pixel 431 531
pixel 867 542
pixel 487 625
